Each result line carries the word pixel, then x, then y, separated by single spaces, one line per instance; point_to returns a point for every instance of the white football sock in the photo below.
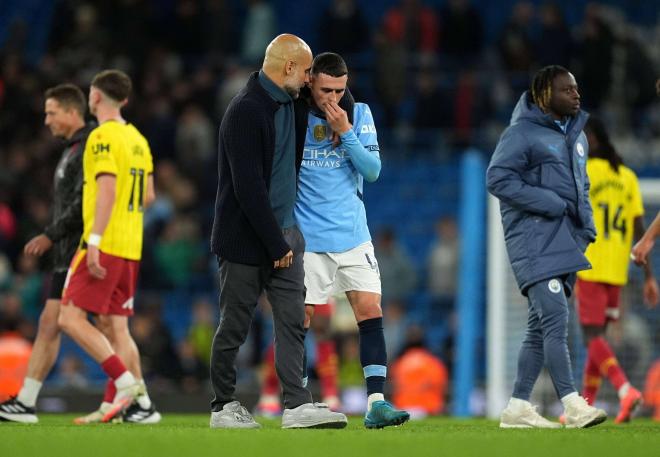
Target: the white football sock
pixel 143 399
pixel 125 380
pixel 372 398
pixel 29 392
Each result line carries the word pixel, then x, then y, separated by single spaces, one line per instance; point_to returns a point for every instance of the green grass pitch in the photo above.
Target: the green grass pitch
pixel 189 435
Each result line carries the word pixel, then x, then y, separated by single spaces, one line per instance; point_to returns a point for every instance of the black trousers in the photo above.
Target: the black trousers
pixel 240 287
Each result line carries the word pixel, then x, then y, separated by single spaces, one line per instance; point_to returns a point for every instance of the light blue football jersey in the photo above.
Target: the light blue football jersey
pixel 329 208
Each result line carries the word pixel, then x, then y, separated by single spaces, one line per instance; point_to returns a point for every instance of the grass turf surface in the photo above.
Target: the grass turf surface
pixel 189 435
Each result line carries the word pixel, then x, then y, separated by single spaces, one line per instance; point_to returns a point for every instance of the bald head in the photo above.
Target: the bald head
pixel 287 63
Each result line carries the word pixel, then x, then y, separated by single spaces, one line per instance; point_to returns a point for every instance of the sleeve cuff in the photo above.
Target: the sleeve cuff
pixel 348 134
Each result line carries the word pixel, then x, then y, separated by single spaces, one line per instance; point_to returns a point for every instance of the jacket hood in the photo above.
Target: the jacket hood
pixel 525 110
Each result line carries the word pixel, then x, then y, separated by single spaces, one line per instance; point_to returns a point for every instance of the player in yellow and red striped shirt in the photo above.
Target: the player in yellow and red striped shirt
pixel 618 210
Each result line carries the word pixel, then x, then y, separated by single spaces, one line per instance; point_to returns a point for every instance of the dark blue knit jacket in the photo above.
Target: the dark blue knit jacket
pixel 244 228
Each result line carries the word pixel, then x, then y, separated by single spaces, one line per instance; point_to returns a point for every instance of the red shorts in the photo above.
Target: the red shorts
pixel 597 302
pixel 110 295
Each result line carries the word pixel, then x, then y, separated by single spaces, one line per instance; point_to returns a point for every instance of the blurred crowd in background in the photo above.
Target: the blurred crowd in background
pixel 439 76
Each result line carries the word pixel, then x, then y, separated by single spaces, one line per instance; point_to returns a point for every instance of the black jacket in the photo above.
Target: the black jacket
pixel 66 225
pixel 244 228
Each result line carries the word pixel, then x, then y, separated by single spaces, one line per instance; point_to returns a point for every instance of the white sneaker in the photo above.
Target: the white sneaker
pixel 313 415
pixel 14 410
pixel 123 399
pixel 136 414
pixel 524 415
pixel 95 416
pixel 580 414
pixel 233 415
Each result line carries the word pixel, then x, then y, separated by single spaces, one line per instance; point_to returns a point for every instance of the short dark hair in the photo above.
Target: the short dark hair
pixel 114 83
pixel 330 64
pixel 69 96
pixel 542 84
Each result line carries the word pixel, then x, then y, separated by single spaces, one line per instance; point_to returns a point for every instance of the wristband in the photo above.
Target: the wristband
pixel 94 240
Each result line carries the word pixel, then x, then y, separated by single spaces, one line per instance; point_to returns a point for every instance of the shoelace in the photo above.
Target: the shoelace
pixel 242 415
pixel 580 402
pixel 533 409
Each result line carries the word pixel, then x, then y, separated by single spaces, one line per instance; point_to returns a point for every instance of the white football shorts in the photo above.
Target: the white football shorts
pixel 328 273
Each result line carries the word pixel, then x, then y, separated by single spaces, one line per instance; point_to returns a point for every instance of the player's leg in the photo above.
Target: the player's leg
pixel 110 389
pixel 603 357
pixel 598 303
pixel 22 408
pixel 605 362
pixel 73 321
pixel 83 294
pixel 121 308
pixel 359 277
pixel 327 366
pixel 590 300
pixel 320 274
pixel 46 345
pixel 143 409
pixel 519 412
pixel 548 300
pixel 591 379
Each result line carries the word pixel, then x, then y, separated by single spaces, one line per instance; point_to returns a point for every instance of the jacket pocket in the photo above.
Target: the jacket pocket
pixel 554 236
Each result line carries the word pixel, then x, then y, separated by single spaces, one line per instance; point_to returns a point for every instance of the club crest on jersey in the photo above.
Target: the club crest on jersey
pixel 580 150
pixel 320 132
pixel 554 286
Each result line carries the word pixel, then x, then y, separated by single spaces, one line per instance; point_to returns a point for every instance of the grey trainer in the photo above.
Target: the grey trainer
pixel 313 415
pixel 233 415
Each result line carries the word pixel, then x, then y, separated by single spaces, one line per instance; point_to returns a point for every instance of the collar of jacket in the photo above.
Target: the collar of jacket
pixel 347 103
pixel 81 133
pixel 254 87
pixel 526 110
pixel 276 92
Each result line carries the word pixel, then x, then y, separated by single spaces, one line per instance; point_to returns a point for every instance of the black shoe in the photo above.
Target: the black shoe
pixel 138 415
pixel 13 410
